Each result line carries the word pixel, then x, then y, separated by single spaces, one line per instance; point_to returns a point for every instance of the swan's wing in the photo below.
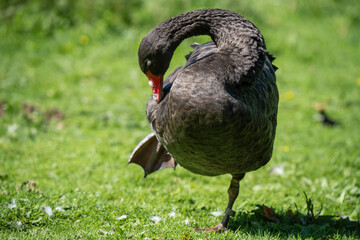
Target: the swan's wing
pixel 151 155
pixel 200 52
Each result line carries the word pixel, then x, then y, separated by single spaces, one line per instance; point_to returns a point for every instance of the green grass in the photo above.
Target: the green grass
pixel 78 162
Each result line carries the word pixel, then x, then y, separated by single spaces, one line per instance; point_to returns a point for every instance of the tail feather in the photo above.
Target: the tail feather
pixel 272 58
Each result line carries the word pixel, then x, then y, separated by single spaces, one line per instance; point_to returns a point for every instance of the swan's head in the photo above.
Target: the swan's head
pixel 154 58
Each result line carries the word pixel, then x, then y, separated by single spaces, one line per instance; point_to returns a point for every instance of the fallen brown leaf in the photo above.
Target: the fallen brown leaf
pixel 30 185
pixel 270 214
pixel 54 114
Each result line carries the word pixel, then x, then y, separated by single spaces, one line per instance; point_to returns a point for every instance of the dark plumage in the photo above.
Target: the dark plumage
pixel 217 114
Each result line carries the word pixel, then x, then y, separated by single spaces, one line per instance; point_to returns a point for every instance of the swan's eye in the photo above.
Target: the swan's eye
pixel 148 63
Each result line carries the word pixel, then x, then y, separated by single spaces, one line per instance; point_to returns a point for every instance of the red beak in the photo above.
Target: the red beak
pixel 156 83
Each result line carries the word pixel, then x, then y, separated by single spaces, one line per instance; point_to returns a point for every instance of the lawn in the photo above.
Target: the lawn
pixel 72 109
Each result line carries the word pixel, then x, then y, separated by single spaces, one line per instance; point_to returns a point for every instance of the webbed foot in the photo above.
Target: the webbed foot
pixel 151 155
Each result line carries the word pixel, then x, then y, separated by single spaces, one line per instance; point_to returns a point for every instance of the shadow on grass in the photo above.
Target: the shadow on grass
pixel 323 227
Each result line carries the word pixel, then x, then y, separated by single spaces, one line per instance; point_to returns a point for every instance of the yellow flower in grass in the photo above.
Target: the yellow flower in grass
pixel 289 95
pixel 358 81
pixel 84 39
pixel 286 149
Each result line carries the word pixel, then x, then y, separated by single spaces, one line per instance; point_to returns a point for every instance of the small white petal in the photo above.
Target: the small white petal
pixel 47 210
pixel 216 214
pixel 172 214
pixel 278 170
pixel 155 219
pixel 12 204
pixel 187 221
pixel 12 129
pixel 257 187
pixel 122 217
pixel 60 209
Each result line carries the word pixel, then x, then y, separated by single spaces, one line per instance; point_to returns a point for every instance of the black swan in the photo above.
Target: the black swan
pixel 217 114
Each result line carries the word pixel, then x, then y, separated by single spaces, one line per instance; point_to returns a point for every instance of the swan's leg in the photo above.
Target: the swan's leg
pixel 233 192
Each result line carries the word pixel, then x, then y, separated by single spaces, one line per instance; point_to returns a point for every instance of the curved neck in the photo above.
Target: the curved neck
pixel 234 36
pixel 226 29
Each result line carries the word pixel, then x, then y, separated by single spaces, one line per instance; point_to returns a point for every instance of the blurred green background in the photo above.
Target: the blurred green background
pixel 72 108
